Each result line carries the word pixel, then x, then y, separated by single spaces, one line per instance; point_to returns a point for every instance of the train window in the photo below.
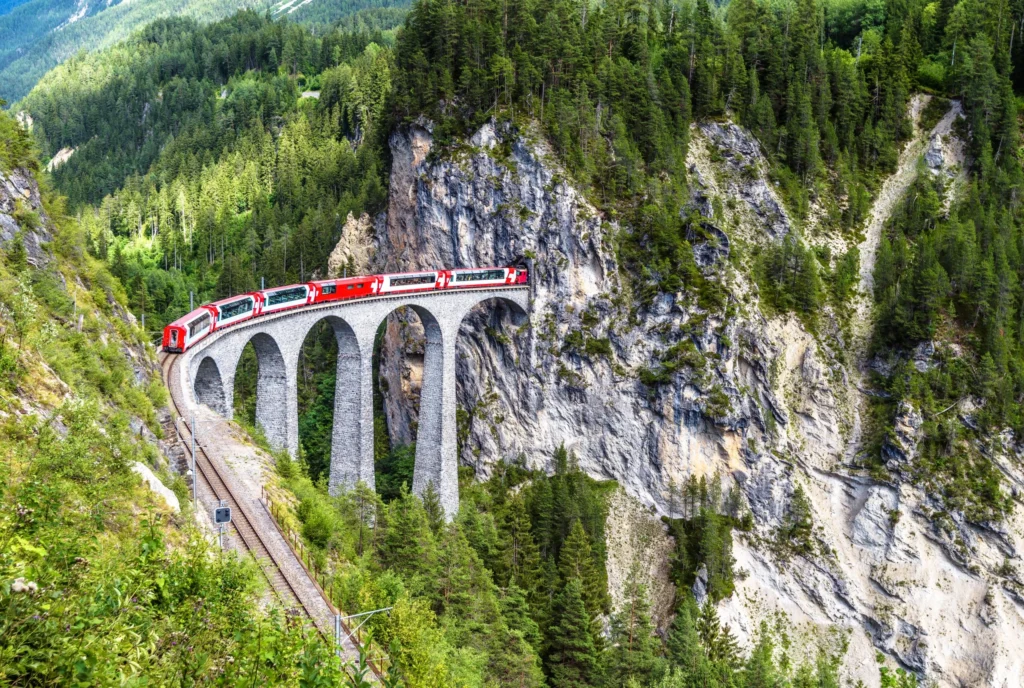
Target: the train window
pixel 482 275
pixel 174 338
pixel 407 280
pixel 350 287
pixel 198 325
pixel 235 308
pixel 329 289
pixel 286 295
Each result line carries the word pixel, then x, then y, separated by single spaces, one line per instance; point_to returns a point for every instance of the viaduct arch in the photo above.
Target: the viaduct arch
pixel 210 370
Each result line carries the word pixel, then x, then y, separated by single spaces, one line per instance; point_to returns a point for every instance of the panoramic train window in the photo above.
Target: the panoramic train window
pixel 198 325
pixel 286 295
pixel 482 275
pixel 329 289
pixel 230 310
pixel 406 280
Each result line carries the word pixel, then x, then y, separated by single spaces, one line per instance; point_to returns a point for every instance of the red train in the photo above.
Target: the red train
pixel 191 328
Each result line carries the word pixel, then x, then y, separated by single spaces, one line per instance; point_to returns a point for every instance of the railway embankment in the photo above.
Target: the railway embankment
pixel 231 471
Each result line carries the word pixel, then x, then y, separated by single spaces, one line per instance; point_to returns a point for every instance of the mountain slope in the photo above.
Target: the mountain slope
pixel 41 34
pixel 37 35
pixel 102 580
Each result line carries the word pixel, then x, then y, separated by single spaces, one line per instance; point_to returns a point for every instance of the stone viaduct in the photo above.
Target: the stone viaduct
pixel 208 371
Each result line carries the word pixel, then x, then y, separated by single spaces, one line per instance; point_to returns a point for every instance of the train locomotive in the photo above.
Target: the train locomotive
pixel 192 327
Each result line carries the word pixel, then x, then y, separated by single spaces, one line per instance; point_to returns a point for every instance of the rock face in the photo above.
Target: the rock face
pixel 759 401
pixel 354 249
pixel 899 449
pixel 522 390
pixel 20 200
pixel 743 158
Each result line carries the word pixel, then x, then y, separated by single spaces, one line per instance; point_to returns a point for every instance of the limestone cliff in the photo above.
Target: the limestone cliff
pixel 758 400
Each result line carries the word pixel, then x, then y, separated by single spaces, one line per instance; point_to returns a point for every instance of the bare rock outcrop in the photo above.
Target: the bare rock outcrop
pixel 354 250
pixel 760 401
pixel 22 212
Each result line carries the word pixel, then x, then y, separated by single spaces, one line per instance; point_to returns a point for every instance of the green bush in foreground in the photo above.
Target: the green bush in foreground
pixel 98 588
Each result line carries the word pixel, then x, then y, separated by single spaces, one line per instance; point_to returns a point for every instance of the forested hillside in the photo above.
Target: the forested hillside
pixel 104 581
pixel 37 35
pixel 198 165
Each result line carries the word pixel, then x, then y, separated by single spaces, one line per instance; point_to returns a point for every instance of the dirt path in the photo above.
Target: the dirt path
pixel 893 189
pixel 891 192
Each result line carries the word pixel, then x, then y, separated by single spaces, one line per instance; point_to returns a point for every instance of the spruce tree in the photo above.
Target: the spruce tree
pixel 719 643
pixel 513 661
pixel 516 611
pixel 572 660
pixel 520 558
pixel 684 649
pixel 577 561
pixel 408 544
pixel 799 523
pixel 541 507
pixel 434 510
pixel 760 670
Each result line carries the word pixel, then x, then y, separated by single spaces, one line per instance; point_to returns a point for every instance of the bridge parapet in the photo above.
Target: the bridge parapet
pixel 211 365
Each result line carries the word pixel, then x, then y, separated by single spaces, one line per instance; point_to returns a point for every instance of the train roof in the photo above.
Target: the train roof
pixel 283 286
pixel 230 299
pixel 412 272
pixel 482 267
pixel 356 278
pixel 188 317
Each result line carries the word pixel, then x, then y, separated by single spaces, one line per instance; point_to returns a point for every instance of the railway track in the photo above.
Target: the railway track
pixel 240 518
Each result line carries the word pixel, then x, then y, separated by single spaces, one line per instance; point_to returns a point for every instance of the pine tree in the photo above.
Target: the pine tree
pixel 716 554
pixel 572 658
pixel 408 544
pixel 684 648
pixel 634 648
pixel 760 670
pixel 513 661
pixel 455 565
pixel 798 525
pixel 542 517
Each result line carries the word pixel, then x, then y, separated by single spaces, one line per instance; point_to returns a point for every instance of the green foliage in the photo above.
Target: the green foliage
pixel 15 144
pixel 704 537
pixel 395 471
pixel 787 275
pixel 899 678
pixel 37 35
pixel 635 650
pixel 572 656
pixel 797 531
pixel 956 275
pixel 201 193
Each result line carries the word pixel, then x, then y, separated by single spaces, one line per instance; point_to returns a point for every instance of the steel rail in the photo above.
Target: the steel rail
pixel 248 533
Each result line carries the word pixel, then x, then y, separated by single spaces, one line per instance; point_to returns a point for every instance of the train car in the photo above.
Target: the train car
pixel 346 288
pixel 404 282
pixel 484 277
pixel 188 329
pixel 283 298
pixel 233 310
